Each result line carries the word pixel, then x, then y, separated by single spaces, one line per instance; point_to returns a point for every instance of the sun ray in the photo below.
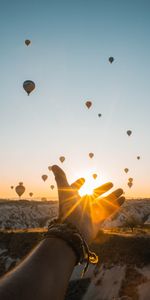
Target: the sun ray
pixel 85 201
pixel 72 208
pixel 91 210
pixel 103 209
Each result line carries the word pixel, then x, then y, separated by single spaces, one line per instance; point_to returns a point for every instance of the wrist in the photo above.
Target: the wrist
pixel 59 250
pixel 73 239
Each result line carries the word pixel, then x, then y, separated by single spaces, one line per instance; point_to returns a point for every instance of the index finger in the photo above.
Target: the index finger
pixel 114 195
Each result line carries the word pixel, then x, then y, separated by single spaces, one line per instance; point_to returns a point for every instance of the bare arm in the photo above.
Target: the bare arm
pixel 43 275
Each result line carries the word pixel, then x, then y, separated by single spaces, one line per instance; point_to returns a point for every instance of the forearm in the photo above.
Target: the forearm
pixel 44 275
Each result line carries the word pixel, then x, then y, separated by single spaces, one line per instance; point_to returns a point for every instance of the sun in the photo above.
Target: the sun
pixel 88 187
pixel 91 183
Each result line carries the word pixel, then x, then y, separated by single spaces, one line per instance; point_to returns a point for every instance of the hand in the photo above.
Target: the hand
pixel 86 212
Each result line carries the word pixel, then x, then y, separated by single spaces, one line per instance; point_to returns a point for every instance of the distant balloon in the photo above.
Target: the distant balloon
pixel 94 176
pixel 27 42
pixel 49 168
pixel 20 189
pixel 31 194
pixel 130 179
pixel 129 132
pixel 138 157
pixel 99 115
pixel 43 199
pixel 12 187
pixel 28 86
pixel 62 159
pixel 126 170
pixel 111 59
pixel 44 177
pixel 52 187
pixel 91 155
pixel 88 104
pixel 130 184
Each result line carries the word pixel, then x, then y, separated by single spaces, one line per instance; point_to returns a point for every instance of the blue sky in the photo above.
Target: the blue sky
pixel 68 61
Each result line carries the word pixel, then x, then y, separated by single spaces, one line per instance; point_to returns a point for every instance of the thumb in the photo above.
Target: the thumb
pixel 60 177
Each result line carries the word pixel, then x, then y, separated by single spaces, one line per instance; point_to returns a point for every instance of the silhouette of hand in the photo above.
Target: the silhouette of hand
pixel 86 212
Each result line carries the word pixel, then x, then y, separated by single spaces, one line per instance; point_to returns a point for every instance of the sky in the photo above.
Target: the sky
pixel 68 61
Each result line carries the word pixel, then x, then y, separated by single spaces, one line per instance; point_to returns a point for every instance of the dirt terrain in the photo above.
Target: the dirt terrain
pixel 126 253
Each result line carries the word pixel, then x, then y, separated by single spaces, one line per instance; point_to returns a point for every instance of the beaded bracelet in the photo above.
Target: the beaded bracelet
pixel 72 236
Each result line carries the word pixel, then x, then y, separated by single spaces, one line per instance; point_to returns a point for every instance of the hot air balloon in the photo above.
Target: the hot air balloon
pixel 28 86
pixel 12 187
pixel 27 42
pixel 126 170
pixel 44 177
pixel 20 189
pixel 91 155
pixel 129 132
pixel 138 157
pixel 49 168
pixel 62 159
pixel 99 115
pixel 88 104
pixel 31 194
pixel 130 179
pixel 43 199
pixel 130 184
pixel 111 59
pixel 94 176
pixel 52 187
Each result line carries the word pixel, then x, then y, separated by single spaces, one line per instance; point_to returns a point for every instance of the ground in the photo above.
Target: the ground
pixel 124 264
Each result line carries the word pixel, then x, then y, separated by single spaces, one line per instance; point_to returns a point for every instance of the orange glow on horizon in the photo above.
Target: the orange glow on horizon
pixel 42 189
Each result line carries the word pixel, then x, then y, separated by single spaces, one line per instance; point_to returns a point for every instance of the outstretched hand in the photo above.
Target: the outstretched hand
pixel 86 212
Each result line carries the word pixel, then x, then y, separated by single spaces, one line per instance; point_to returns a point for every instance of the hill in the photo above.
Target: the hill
pixel 23 214
pixel 32 214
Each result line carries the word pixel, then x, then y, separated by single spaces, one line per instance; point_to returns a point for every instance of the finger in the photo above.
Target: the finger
pixel 120 201
pixel 102 189
pixel 77 184
pixel 60 177
pixel 114 195
pixel 111 206
pixel 103 209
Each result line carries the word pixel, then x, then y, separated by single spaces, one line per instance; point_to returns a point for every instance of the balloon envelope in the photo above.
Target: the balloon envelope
pixel 44 177
pixel 99 115
pixel 129 132
pixel 12 187
pixel 30 194
pixel 138 157
pixel 27 42
pixel 49 168
pixel 126 170
pixel 20 189
pixel 28 86
pixel 130 184
pixel 94 176
pixel 111 59
pixel 130 179
pixel 91 154
pixel 52 187
pixel 62 158
pixel 88 104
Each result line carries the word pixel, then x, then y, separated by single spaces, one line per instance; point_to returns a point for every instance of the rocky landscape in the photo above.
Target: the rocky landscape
pixel 123 271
